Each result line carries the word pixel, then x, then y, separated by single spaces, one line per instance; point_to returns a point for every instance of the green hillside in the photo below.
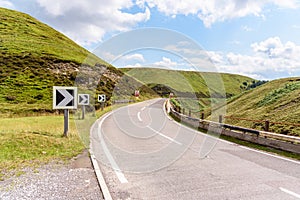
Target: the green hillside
pixel 195 91
pixel 34 57
pixel 201 84
pixel 276 101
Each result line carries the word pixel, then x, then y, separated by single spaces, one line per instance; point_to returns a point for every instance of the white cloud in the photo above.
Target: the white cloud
pixel 235 42
pixel 88 21
pixel 274 48
pixel 269 57
pixel 212 11
pixel 136 65
pixel 296 26
pixel 6 4
pixel 247 28
pixel 167 63
pixel 134 57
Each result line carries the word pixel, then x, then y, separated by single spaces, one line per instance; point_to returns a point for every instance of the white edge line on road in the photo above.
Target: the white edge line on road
pixel 139 116
pixel 228 142
pixel 162 135
pixel 115 166
pixel 100 178
pixel 275 156
pixel 290 192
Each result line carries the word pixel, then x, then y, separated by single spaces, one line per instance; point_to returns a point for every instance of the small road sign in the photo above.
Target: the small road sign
pixel 101 98
pixel 136 93
pixel 64 97
pixel 83 99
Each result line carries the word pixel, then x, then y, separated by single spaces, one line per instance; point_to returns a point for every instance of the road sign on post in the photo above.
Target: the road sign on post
pixel 136 93
pixel 64 97
pixel 101 98
pixel 83 99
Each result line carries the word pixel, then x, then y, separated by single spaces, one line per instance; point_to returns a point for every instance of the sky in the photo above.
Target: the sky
pixel 256 38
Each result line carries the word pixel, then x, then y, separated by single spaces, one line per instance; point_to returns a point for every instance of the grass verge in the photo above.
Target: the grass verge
pixel 32 141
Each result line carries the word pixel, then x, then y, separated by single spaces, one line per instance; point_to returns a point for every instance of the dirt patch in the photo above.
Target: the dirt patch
pixel 82 161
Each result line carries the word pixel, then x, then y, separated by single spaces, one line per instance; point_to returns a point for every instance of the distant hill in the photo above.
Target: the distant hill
pixel 277 101
pixel 192 82
pixel 34 57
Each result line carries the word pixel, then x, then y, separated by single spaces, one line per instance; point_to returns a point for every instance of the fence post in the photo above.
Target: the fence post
pixel 220 119
pixel 190 113
pixel 267 125
pixel 202 115
pixel 183 110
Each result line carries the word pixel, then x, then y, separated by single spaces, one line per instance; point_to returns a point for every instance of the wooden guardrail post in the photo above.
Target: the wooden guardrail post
pixel 183 110
pixel 202 115
pixel 267 125
pixel 190 113
pixel 220 119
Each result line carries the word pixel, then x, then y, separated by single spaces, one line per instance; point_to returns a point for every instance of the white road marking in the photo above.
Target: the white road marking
pixel 290 192
pixel 143 108
pixel 139 116
pixel 113 163
pixel 275 156
pixel 162 135
pixel 100 178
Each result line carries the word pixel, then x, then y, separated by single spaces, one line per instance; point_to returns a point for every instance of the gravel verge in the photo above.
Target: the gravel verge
pixel 54 181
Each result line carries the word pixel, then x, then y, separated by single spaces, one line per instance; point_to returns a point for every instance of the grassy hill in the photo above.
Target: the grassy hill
pixel 196 90
pixel 202 84
pixel 276 101
pixel 34 57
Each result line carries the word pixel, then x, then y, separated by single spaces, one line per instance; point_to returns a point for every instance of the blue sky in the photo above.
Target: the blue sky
pixel 257 38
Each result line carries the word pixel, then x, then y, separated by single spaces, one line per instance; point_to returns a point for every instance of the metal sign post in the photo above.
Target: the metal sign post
pixel 102 100
pixel 83 100
pixel 83 112
pixel 65 98
pixel 66 122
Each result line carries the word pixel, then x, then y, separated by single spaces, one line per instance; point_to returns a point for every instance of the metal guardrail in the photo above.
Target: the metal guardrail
pixel 242 129
pixel 262 134
pixel 286 138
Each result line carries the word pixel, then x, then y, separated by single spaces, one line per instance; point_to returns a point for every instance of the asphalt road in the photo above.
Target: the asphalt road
pixel 143 154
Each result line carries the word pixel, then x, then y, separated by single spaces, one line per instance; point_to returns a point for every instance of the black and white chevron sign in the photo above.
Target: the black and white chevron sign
pixel 83 99
pixel 64 97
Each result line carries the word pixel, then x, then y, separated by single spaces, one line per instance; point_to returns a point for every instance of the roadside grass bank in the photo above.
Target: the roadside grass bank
pixel 34 141
pixel 37 140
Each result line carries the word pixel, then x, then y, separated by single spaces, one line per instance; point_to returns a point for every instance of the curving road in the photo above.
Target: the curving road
pixel 143 154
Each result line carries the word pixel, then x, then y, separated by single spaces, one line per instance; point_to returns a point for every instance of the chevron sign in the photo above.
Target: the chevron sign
pixel 83 99
pixel 64 97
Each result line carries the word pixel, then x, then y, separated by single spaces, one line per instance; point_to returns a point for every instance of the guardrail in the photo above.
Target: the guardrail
pixel 278 141
pixel 265 123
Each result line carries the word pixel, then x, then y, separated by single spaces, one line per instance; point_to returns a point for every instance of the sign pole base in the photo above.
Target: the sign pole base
pixel 66 122
pixel 83 111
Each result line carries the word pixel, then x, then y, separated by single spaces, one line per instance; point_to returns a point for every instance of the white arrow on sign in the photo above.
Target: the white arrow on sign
pixel 101 98
pixel 68 97
pixel 83 99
